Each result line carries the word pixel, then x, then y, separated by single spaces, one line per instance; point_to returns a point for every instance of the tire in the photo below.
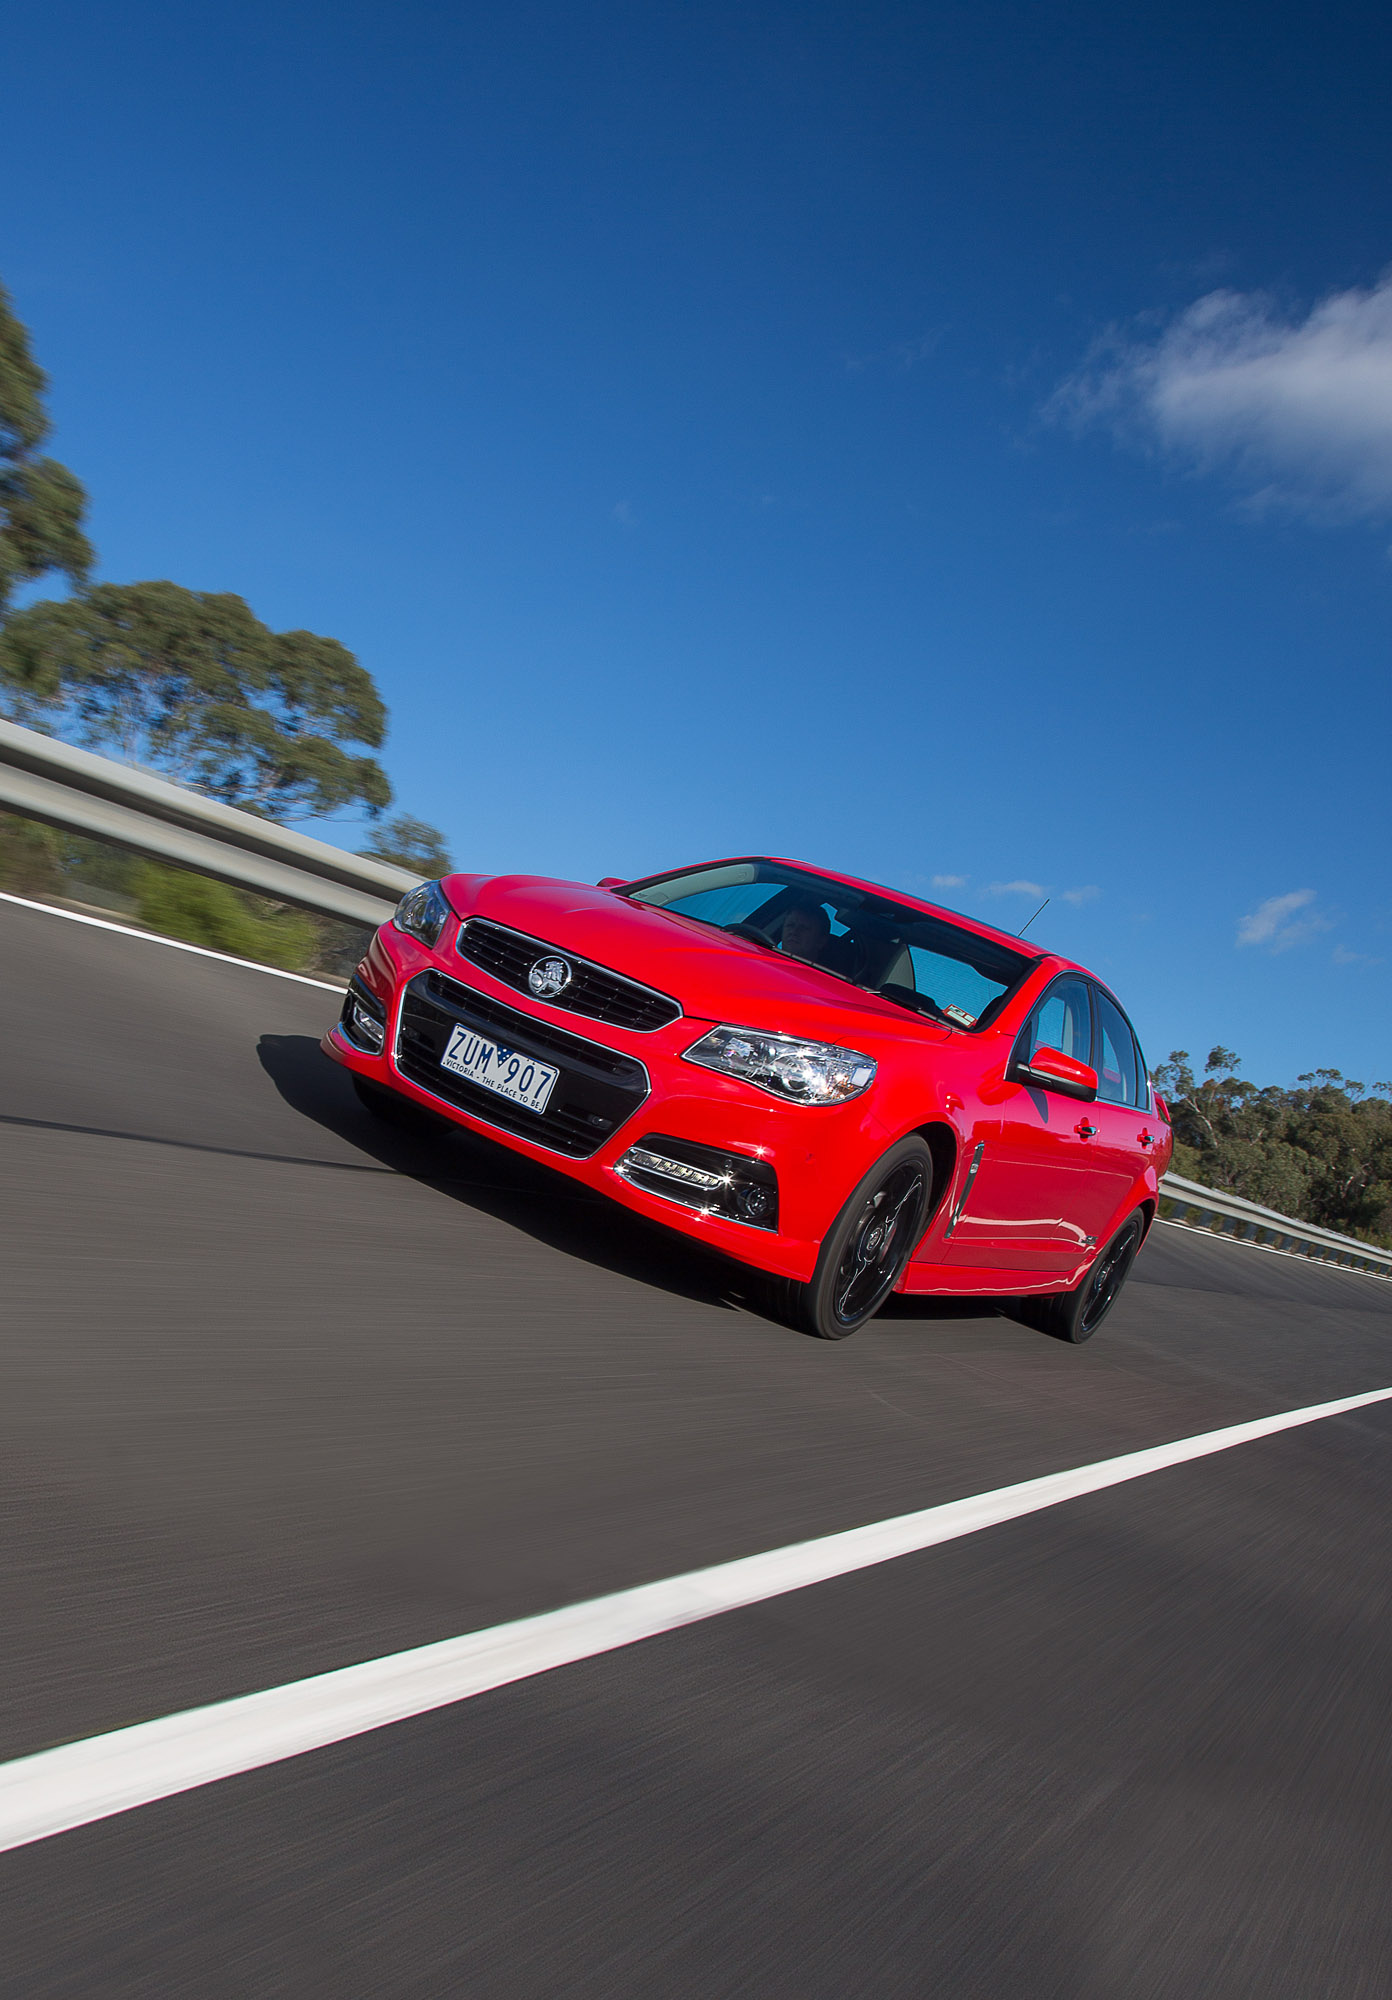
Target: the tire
pixel 1075 1316
pixel 864 1253
pixel 392 1108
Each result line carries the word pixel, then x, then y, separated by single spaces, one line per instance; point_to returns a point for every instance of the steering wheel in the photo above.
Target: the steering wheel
pixel 750 931
pixel 859 961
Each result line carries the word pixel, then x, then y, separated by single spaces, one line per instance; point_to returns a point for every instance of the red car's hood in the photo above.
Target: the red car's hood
pixel 714 976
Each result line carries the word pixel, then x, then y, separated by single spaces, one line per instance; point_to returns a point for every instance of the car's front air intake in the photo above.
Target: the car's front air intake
pixel 707 1178
pixel 596 1089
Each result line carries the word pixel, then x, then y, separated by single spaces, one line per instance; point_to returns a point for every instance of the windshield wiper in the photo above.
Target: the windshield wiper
pixel 913 1003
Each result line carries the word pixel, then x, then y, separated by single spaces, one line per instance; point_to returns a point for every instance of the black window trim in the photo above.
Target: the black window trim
pixel 1059 979
pixel 1096 988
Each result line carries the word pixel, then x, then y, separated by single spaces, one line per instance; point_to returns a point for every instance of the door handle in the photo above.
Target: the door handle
pixel 1085 1131
pixel 1147 1138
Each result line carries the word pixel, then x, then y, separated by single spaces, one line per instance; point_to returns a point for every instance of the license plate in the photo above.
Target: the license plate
pixel 520 1078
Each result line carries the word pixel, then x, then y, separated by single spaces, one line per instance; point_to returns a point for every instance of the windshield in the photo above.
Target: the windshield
pixel 919 961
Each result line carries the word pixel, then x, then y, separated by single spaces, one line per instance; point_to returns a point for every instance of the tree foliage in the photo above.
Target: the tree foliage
pixel 189 683
pixel 192 684
pixel 411 843
pixel 1320 1150
pixel 41 503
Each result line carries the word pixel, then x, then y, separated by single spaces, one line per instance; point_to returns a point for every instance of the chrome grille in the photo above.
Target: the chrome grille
pixel 602 995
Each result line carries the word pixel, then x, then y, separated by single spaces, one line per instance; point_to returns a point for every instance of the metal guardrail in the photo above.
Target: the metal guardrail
pixel 1208 1209
pixel 83 793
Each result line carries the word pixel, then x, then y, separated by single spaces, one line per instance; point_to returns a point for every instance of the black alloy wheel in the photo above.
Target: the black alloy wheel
pixel 1075 1316
pixel 863 1256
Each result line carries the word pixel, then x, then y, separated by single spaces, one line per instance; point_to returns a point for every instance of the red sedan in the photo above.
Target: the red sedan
pixel 854 1091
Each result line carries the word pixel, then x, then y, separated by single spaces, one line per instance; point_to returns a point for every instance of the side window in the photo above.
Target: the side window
pixel 1118 1070
pixel 1062 1021
pixel 1143 1096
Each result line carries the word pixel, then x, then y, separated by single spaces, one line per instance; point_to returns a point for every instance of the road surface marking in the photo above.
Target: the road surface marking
pixel 174 944
pixel 81 1782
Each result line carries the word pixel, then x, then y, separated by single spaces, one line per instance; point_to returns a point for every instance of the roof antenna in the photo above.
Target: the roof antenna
pixel 1029 920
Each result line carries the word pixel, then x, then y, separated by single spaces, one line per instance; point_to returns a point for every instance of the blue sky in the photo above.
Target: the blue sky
pixel 949 443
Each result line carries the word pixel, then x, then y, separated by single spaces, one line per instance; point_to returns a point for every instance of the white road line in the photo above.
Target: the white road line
pixel 81 1782
pixel 172 944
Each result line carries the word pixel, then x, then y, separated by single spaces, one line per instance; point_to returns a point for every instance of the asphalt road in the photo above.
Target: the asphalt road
pixel 282 1390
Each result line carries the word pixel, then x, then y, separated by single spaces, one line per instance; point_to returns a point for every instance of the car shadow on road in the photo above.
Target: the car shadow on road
pixel 494 1181
pixel 936 1306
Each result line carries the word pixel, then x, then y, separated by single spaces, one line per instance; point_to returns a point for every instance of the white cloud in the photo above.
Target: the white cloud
pixel 622 512
pixel 949 881
pixel 1277 923
pixel 1084 895
pixel 1016 889
pixel 1298 410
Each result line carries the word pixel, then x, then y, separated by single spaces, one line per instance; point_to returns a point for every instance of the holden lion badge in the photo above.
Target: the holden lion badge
pixel 549 976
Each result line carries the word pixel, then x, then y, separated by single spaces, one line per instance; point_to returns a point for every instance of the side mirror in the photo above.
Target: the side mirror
pixel 1053 1070
pixel 610 882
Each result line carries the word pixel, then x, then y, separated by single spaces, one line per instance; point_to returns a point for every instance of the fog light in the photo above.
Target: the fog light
pixel 366 1029
pixel 707 1178
pixel 364 1019
pixel 755 1204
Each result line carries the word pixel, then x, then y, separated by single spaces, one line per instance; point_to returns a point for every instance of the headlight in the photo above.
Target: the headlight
pixel 806 1072
pixel 422 913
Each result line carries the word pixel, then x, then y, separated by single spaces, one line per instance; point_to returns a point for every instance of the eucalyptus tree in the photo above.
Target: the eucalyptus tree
pixel 41 503
pixel 1320 1149
pixel 410 843
pixel 193 685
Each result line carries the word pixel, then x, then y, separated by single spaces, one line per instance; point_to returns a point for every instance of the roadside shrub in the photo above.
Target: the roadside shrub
pixel 201 911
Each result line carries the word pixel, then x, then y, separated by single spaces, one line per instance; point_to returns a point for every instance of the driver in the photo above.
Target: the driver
pixel 805 931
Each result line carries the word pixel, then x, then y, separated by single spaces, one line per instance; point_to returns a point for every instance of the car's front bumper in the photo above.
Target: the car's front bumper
pixel 619 1089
